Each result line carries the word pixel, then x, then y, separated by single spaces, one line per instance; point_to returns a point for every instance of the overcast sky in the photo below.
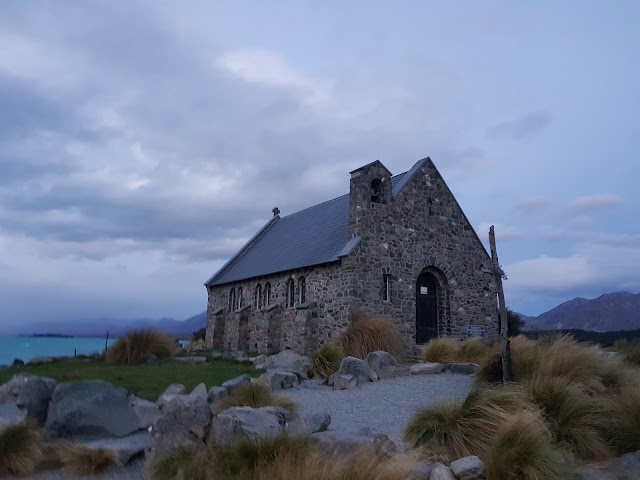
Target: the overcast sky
pixel 141 143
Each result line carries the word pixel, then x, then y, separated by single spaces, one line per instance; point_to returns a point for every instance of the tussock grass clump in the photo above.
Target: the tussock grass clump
pixel 138 344
pixel 522 450
pixel 475 350
pixel 623 417
pixel 326 361
pixel 20 449
pixel 629 352
pixel 79 460
pixel 452 430
pixel 368 335
pixel 180 464
pixel 441 350
pixel 255 395
pixel 575 418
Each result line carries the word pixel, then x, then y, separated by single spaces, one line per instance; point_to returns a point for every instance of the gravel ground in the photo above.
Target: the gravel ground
pixel 385 406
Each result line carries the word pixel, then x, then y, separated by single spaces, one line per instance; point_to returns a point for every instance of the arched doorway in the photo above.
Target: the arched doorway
pixel 427 290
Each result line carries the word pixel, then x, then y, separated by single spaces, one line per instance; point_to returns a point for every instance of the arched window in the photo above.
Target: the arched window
pixel 258 297
pixel 291 293
pixel 267 294
pixel 232 300
pixel 240 299
pixel 302 290
pixel 376 190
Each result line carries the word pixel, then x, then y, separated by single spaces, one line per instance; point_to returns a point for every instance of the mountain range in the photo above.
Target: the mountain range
pixel 609 312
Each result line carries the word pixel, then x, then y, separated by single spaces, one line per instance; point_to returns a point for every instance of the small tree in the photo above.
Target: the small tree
pixel 200 334
pixel 515 322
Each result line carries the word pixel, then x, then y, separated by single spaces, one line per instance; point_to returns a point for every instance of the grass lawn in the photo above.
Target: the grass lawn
pixel 147 380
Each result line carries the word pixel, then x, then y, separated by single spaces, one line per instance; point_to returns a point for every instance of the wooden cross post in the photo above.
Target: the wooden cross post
pixel 507 375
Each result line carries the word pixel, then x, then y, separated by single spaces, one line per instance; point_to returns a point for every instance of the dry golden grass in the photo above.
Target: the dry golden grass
pixel 452 430
pixel 326 361
pixel 522 450
pixel 575 418
pixel 255 395
pixel 21 449
pixel 476 350
pixel 138 344
pixel 368 335
pixel 441 350
pixel 183 463
pixel 629 352
pixel 79 460
pixel 623 417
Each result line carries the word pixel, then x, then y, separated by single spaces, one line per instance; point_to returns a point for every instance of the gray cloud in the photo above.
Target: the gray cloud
pixel 598 201
pixel 521 128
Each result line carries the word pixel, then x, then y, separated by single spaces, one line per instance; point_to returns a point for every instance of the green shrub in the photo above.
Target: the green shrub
pixel 522 450
pixel 441 350
pixel 575 418
pixel 366 335
pixel 255 395
pixel 326 361
pixel 138 344
pixel 20 449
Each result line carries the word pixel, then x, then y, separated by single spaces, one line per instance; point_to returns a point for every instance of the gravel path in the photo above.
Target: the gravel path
pixel 385 406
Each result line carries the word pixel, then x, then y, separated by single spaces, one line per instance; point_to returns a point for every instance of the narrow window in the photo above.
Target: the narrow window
pixel 386 293
pixel 258 297
pixel 232 300
pixel 376 190
pixel 291 293
pixel 267 294
pixel 240 299
pixel 302 290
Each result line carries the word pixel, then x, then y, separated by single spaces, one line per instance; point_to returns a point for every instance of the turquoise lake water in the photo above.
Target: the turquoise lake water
pixel 26 348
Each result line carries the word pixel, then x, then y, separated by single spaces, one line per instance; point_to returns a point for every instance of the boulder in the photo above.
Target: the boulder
pixel 339 443
pixel 426 368
pixel 237 382
pixel 91 408
pixel 127 448
pixel 279 379
pixel 146 411
pixel 237 423
pixel 259 361
pixel 381 360
pixel 462 368
pixel 217 393
pixel 308 424
pixel 627 465
pixel 172 391
pixel 423 472
pixel 441 472
pixel 289 361
pixel 200 391
pixel 184 422
pixel 10 414
pixel 356 367
pixel 468 468
pixel 29 393
pixel 593 474
pixel 344 382
pixel 384 446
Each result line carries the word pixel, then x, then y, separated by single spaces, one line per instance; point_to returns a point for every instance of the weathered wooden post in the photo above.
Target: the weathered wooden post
pixel 507 375
pixel 106 342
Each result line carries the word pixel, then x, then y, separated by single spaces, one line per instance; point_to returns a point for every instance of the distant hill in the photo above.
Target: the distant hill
pixel 100 327
pixel 609 312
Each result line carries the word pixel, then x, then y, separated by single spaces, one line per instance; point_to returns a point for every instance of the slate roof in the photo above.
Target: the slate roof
pixel 312 236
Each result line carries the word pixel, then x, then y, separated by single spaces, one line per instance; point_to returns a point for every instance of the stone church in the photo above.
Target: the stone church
pixel 396 246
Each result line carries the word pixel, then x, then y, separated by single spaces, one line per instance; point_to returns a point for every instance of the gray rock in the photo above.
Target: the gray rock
pixel 175 389
pixel 200 391
pixel 426 368
pixel 423 472
pixel 29 393
pixel 344 382
pixel 184 422
pixel 237 382
pixel 237 423
pixel 380 360
pixel 393 372
pixel 462 368
pixel 259 362
pixel 92 408
pixel 608 355
pixel 289 361
pixel 308 424
pixel 10 414
pixel 468 468
pixel 279 379
pixel 126 447
pixel 628 465
pixel 339 443
pixel 356 367
pixel 592 474
pixel 441 472
pixel 384 446
pixel 146 411
pixel 216 394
